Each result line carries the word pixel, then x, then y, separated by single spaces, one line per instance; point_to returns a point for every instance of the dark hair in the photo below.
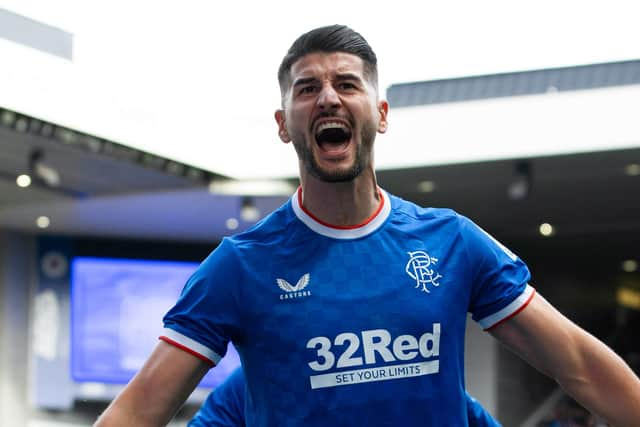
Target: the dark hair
pixel 332 38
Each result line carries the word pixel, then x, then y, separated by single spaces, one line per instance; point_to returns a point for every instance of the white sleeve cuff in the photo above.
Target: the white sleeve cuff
pixel 510 310
pixel 190 346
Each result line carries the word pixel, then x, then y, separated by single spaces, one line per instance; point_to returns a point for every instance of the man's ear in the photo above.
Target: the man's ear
pixel 383 110
pixel 282 127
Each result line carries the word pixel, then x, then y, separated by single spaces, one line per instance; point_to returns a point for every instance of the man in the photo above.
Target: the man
pixel 224 407
pixel 348 305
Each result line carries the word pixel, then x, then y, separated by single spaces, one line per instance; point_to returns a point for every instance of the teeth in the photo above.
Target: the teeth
pixel 331 125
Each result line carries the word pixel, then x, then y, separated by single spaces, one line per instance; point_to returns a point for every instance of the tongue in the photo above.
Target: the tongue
pixel 333 147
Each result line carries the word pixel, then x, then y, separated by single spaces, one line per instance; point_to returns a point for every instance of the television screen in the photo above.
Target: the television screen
pixel 117 307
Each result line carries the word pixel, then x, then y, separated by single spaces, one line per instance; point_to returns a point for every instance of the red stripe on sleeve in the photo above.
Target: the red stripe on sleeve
pixel 526 303
pixel 188 350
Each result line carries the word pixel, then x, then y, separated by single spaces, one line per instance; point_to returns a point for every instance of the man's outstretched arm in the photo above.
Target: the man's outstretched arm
pixel 583 366
pixel 157 391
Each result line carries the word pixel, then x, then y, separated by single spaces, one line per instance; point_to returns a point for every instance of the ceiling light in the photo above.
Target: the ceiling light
pixel 518 190
pixel 194 174
pixel 34 126
pixel 520 187
pixel 628 298
pixel 630 266
pixel 47 130
pixel 232 224
pixel 66 136
pixel 546 229
pixel 265 187
pixel 7 118
pixel 41 170
pixel 248 210
pixel 632 169
pixel 175 168
pixel 93 144
pixel 43 221
pixel 23 180
pixel 426 186
pixel 48 174
pixel 22 125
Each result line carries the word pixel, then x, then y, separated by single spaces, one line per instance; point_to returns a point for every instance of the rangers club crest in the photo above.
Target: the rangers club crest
pixel 421 269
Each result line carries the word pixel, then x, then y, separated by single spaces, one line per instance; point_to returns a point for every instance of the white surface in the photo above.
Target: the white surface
pixel 512 127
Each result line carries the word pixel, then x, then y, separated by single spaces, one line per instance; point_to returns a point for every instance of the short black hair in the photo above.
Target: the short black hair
pixel 332 38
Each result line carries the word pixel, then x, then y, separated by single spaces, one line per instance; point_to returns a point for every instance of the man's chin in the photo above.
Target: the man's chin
pixel 335 175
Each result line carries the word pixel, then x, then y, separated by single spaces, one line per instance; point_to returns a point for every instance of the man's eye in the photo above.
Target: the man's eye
pixel 347 86
pixel 307 89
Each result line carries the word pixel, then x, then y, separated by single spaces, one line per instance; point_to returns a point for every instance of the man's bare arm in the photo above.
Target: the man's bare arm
pixel 157 391
pixel 583 366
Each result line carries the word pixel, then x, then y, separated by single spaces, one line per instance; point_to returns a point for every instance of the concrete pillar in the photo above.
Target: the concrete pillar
pixel 16 257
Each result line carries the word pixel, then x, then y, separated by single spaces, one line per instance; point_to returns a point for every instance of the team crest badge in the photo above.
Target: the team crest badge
pixel 421 269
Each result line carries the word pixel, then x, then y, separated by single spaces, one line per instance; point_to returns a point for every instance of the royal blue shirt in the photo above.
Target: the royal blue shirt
pixel 224 407
pixel 350 325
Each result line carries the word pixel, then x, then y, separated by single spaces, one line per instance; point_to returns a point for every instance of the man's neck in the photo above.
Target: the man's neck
pixel 344 203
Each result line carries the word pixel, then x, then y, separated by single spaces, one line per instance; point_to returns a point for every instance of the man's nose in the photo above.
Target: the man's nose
pixel 328 98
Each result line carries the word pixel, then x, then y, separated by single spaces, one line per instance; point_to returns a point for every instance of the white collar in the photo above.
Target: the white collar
pixel 338 232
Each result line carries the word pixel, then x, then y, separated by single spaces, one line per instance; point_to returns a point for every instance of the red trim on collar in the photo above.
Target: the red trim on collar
pixel 342 227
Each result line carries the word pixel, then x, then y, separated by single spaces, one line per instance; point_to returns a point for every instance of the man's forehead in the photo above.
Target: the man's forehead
pixel 315 63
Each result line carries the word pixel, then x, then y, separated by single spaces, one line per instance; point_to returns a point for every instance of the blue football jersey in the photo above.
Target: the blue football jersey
pixel 224 407
pixel 350 325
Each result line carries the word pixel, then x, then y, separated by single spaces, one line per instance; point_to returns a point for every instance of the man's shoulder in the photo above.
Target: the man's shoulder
pixel 270 229
pixel 413 211
pixel 257 241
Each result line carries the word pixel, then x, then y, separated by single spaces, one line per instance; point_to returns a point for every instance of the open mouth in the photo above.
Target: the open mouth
pixel 333 137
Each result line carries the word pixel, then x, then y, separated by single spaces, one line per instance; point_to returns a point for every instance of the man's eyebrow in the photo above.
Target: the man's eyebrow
pixel 348 76
pixel 304 81
pixel 339 77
